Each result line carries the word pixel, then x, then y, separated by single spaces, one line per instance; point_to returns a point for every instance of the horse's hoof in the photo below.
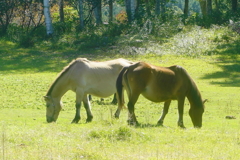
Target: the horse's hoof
pixel 114 102
pixel 116 116
pixel 182 126
pixel 88 120
pixel 75 120
pixel 160 123
pixel 132 123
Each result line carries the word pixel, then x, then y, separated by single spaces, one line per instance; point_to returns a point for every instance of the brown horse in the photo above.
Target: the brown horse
pixel 160 84
pixel 83 77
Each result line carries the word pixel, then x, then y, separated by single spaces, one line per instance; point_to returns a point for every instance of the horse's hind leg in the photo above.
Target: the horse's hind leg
pixel 117 113
pixel 87 107
pixel 114 101
pixel 90 97
pixel 164 113
pixel 132 120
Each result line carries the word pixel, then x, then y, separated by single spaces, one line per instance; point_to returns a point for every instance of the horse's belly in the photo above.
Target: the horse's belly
pixel 157 96
pixel 101 91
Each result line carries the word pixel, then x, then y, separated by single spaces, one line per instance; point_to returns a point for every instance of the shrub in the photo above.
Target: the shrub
pixel 26 40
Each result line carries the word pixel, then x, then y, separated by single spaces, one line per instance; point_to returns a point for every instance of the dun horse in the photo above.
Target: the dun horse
pixel 160 84
pixel 83 77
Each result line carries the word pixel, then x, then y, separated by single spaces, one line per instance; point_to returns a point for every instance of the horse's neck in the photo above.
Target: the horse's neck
pixel 60 88
pixel 194 96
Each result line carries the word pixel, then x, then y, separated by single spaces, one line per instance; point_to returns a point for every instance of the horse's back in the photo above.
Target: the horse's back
pixel 117 63
pixel 157 83
pixel 97 78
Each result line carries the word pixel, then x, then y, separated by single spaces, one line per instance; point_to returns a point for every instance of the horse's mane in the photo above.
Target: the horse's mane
pixel 63 72
pixel 193 93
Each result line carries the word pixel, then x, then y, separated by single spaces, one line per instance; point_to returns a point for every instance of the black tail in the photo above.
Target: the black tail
pixel 119 87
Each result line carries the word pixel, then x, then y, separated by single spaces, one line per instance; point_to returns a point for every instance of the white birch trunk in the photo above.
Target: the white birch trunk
pixel 48 19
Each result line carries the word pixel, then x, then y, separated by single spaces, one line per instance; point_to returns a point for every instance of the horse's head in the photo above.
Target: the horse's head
pixel 196 115
pixel 54 106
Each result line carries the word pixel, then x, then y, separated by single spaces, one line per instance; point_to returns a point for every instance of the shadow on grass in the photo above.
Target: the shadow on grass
pixel 20 60
pixel 148 125
pixel 229 62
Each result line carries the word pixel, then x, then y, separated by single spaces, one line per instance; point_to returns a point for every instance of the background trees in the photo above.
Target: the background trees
pixel 26 16
pixel 6 14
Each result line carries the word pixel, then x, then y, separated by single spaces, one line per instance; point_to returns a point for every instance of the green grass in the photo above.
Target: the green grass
pixel 26 74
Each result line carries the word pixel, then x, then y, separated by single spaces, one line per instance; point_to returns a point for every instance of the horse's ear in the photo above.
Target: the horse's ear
pixel 205 101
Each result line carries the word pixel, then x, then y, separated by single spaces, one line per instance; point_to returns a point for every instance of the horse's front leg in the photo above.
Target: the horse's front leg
pixel 180 111
pixel 77 115
pixel 87 107
pixel 164 112
pixel 79 97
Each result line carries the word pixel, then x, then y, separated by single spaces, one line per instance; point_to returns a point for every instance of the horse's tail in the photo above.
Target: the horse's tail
pixel 119 86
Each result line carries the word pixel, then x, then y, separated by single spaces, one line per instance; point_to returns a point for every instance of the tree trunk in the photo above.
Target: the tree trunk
pixel 61 12
pixel 137 7
pixel 209 7
pixel 203 5
pixel 48 19
pixel 110 3
pixel 81 15
pixel 157 8
pixel 98 11
pixel 186 9
pixel 163 9
pixel 216 4
pixel 128 10
pixel 148 9
pixel 234 5
pixel 7 9
pixel 133 7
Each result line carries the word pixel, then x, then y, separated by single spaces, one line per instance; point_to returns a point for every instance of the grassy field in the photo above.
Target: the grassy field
pixel 26 74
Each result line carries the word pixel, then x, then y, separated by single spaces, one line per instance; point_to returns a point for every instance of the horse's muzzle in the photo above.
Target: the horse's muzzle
pixel 196 126
pixel 50 120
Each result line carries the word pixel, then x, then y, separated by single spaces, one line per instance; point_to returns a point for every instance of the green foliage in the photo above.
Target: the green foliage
pixel 70 15
pixel 26 38
pixel 135 35
pixel 99 36
pixel 70 23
